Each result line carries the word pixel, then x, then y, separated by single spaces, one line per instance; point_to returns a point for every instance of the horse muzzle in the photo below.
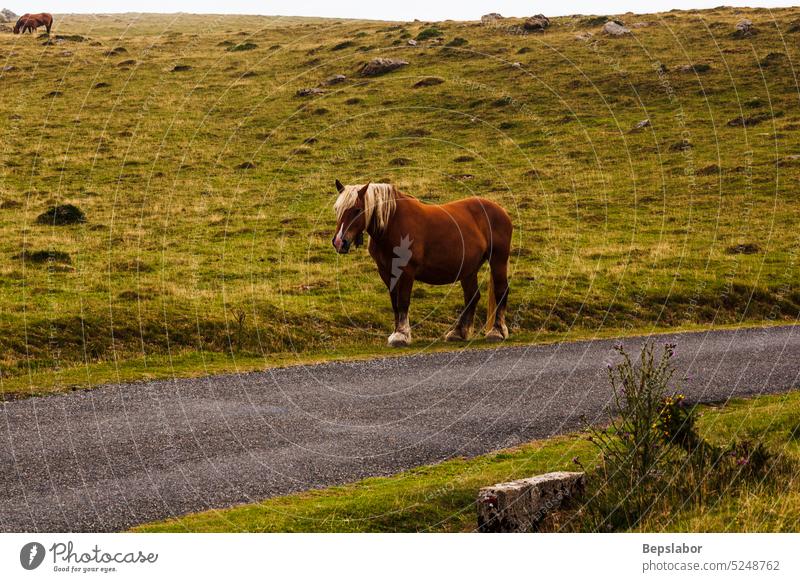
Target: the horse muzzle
pixel 341 245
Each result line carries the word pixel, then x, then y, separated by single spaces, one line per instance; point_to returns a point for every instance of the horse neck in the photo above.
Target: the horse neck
pixel 402 202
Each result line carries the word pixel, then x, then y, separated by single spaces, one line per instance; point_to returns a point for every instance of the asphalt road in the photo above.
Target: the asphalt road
pixel 119 455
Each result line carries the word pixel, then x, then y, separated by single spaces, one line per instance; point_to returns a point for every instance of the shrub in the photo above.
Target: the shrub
pixel 429 33
pixel 61 215
pixel 458 41
pixel 44 256
pixel 343 45
pixel 245 46
pixel 653 460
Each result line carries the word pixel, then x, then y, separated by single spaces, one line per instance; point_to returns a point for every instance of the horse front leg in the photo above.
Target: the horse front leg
pixel 401 300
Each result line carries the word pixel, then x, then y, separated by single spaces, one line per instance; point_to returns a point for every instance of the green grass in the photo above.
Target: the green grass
pixel 207 188
pixel 186 364
pixel 441 497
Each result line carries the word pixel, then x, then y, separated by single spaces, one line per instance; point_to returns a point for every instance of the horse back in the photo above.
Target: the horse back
pixel 489 218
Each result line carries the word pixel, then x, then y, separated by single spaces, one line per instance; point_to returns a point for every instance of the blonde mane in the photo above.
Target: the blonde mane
pixel 380 202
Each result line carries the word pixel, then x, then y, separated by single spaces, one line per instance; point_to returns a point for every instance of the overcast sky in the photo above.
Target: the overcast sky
pixel 377 9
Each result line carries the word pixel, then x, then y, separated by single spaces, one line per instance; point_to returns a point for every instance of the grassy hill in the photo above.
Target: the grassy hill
pixel 207 182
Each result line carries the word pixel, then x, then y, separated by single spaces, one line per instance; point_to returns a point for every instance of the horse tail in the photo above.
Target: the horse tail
pixel 491 307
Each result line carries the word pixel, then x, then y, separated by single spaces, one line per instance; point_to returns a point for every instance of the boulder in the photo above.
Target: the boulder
pixel 309 92
pixel 536 23
pixel 428 82
pixel 491 18
pixel 520 506
pixel 696 68
pixel 7 15
pixel 381 66
pixel 335 80
pixel 613 28
pixel 744 28
pixel 412 42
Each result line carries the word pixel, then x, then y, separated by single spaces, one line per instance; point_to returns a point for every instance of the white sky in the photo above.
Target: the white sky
pixel 377 9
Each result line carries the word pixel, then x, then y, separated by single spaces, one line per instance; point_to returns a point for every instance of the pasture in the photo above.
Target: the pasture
pixel 206 178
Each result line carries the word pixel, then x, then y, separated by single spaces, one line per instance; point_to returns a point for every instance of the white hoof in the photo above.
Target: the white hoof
pixel 497 335
pixel 399 340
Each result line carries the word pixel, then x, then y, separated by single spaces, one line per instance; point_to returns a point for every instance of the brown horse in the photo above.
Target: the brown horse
pixel 436 244
pixel 30 22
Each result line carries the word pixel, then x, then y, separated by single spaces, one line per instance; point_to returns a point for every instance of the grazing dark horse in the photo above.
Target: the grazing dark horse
pixel 436 244
pixel 30 22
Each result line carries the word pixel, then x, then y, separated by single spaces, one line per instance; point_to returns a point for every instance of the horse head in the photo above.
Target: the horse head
pixel 351 217
pixel 21 22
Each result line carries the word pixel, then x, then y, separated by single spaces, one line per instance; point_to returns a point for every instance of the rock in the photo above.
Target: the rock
pixel 309 91
pixel 335 80
pixel 641 125
pixel 381 66
pixel 536 23
pixel 613 28
pixel 680 146
pixel 743 249
pixel 641 24
pixel 491 18
pixel 517 65
pixel 61 215
pixel 412 42
pixel 7 16
pixel 428 82
pixel 696 68
pixel 584 36
pixel 520 506
pixel 181 68
pixel 744 28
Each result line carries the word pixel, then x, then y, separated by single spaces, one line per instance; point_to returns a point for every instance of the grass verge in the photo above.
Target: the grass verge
pixel 46 381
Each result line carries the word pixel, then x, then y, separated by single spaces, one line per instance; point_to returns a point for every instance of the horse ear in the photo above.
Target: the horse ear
pixel 363 191
pixel 339 187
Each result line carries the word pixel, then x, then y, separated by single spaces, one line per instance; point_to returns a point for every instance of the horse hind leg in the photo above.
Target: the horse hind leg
pixel 464 324
pixel 496 329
